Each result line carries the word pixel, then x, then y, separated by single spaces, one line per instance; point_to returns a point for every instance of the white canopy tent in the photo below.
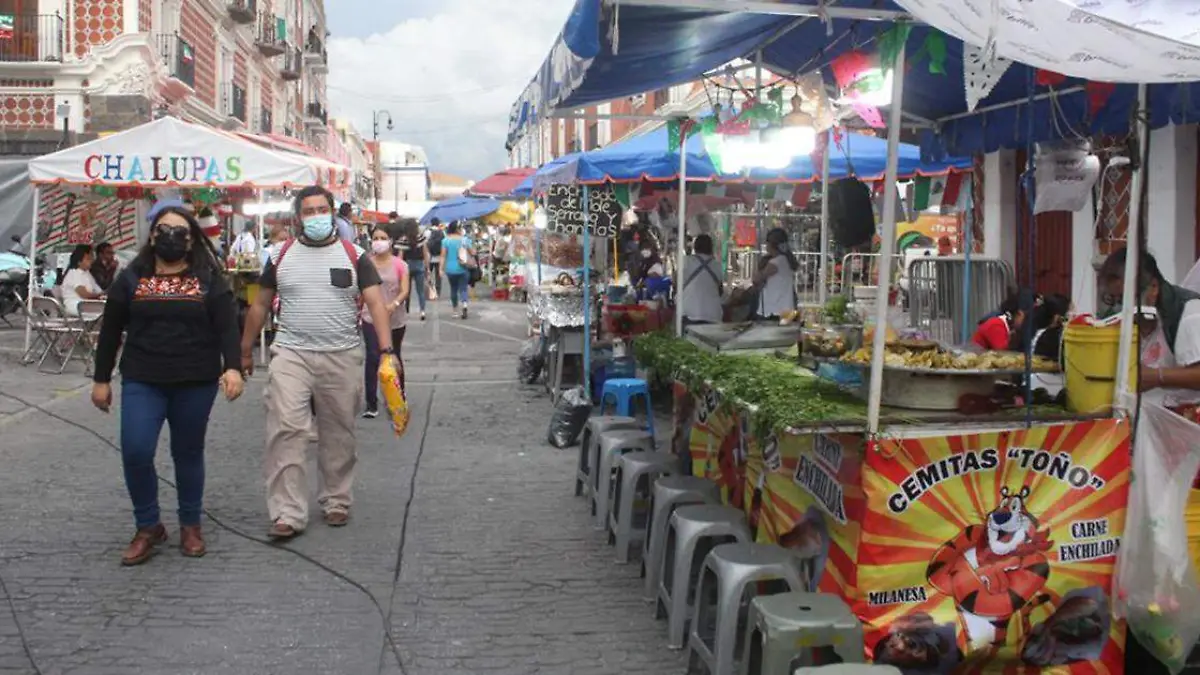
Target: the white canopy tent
pixel 171 153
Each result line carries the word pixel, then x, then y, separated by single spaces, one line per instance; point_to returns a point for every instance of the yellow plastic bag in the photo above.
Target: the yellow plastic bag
pixel 393 395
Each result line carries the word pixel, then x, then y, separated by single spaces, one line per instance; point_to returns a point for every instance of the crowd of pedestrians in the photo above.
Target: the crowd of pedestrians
pixel 339 312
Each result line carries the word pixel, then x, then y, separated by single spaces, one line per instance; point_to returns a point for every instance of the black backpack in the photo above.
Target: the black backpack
pixel 435 242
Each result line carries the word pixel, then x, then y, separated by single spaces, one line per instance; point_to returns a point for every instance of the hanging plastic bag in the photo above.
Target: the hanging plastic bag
pixel 393 395
pixel 531 360
pixel 1157 591
pixel 570 415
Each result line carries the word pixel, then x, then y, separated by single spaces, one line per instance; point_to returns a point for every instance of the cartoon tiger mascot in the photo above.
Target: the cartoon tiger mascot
pixel 994 571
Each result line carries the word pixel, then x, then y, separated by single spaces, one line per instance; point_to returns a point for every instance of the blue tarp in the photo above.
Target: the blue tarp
pixel 461 208
pixel 646 157
pixel 658 47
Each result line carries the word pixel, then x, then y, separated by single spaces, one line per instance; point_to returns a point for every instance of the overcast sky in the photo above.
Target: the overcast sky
pixel 447 70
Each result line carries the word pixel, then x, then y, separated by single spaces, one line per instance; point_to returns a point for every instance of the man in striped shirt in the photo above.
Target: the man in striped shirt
pixel 316 360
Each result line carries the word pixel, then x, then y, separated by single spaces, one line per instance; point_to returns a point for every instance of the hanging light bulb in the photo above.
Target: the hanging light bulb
pixel 540 219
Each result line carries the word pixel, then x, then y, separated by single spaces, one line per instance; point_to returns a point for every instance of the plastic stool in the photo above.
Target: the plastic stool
pixel 692 531
pixel 783 630
pixel 591 437
pixel 612 444
pixel 635 476
pixel 730 571
pixel 623 391
pixel 669 493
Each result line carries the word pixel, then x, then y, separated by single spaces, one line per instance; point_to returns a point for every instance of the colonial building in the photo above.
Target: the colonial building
pixel 94 66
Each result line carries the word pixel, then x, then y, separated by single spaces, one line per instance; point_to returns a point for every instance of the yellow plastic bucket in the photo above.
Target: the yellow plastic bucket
pixel 1192 517
pixel 1091 366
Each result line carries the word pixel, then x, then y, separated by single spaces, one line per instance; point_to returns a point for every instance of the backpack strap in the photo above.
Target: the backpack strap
pixel 283 250
pixel 350 252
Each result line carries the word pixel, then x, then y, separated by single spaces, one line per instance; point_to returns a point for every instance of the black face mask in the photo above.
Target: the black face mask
pixel 171 245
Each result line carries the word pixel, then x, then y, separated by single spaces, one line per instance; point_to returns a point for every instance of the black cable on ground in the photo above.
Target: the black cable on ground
pixel 12 608
pixel 386 616
pixel 412 491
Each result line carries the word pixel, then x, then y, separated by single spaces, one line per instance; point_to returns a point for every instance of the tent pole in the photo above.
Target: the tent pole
pixel 262 336
pixel 33 244
pixel 758 68
pixel 587 296
pixel 887 243
pixel 681 231
pixel 822 292
pixel 1133 253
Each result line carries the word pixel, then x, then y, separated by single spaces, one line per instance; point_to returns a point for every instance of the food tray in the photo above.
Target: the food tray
pixel 935 371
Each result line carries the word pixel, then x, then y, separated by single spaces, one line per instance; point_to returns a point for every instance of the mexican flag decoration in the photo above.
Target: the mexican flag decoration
pixel 7 23
pixel 936 192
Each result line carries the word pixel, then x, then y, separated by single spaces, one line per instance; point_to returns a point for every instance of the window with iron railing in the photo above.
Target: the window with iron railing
pixel 233 101
pixel 316 111
pixel 265 122
pixel 179 58
pixel 31 38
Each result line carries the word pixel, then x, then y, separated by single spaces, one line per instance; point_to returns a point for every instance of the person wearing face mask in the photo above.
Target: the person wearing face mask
pixel 322 282
pixel 1171 339
pixel 776 277
pixel 179 319
pixel 394 273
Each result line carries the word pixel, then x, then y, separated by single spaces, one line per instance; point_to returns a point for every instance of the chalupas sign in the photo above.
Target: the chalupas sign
pixel 112 168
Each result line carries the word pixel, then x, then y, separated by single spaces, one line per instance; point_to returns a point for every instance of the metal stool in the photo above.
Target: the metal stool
pixel 729 573
pixel 692 531
pixel 784 629
pixel 669 493
pixel 634 477
pixel 613 444
pixel 591 436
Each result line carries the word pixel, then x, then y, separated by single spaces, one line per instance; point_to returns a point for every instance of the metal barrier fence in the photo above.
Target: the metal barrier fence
pixel 862 269
pixel 936 302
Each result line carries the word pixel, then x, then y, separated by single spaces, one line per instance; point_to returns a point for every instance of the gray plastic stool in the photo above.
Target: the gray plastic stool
pixel 783 630
pixel 613 444
pixel 692 531
pixel 635 475
pixel 589 443
pixel 669 493
pixel 730 573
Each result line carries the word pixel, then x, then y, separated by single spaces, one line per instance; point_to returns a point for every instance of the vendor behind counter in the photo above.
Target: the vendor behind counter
pixel 1170 338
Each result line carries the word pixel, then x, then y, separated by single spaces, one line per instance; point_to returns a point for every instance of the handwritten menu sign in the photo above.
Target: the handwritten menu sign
pixel 564 210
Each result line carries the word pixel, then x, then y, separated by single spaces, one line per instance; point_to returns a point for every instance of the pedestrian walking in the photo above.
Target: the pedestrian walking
pixel 178 315
pixel 397 281
pixel 434 245
pixel 458 259
pixel 317 358
pixel 416 255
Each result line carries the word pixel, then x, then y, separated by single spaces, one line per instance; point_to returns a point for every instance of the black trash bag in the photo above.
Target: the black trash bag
pixel 531 360
pixel 570 415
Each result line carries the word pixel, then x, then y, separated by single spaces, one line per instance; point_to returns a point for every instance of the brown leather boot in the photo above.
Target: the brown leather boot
pixel 142 548
pixel 191 541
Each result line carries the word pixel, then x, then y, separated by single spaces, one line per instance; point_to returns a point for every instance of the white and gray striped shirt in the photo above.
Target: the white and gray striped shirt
pixel 318 291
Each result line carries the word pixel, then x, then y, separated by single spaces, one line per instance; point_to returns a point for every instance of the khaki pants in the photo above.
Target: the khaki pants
pixel 333 382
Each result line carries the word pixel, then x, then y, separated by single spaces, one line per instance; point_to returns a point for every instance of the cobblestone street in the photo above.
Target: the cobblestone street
pixel 465 530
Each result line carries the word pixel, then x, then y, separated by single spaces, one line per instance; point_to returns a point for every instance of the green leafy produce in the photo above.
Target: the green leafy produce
pixel 782 395
pixel 837 310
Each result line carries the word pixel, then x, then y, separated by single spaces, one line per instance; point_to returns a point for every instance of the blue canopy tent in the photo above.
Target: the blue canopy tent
pixel 461 208
pixel 658 46
pixel 647 157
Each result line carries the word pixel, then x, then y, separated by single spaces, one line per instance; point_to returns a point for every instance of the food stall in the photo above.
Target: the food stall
pixel 169 157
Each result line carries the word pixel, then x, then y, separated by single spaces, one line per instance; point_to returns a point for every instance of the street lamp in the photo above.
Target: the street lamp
pixel 375 135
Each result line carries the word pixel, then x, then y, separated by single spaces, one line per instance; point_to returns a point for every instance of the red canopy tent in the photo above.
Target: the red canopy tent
pixel 500 184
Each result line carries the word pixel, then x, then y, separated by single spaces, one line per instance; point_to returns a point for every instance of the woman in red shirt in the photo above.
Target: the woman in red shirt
pixel 995 333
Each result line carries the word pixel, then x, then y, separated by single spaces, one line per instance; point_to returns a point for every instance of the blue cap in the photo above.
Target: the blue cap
pixel 162 204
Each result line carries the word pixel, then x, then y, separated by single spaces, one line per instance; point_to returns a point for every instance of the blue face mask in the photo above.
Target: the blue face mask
pixel 318 227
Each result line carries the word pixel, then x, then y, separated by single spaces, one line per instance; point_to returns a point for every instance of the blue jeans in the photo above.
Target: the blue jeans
pixel 458 288
pixel 144 408
pixel 416 281
pixel 371 360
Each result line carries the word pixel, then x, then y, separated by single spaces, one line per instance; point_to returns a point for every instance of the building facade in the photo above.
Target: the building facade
pixel 97 66
pixel 353 151
pixel 404 179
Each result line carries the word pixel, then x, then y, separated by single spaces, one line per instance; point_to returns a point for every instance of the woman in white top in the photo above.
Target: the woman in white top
pixel 78 283
pixel 702 288
pixel 776 278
